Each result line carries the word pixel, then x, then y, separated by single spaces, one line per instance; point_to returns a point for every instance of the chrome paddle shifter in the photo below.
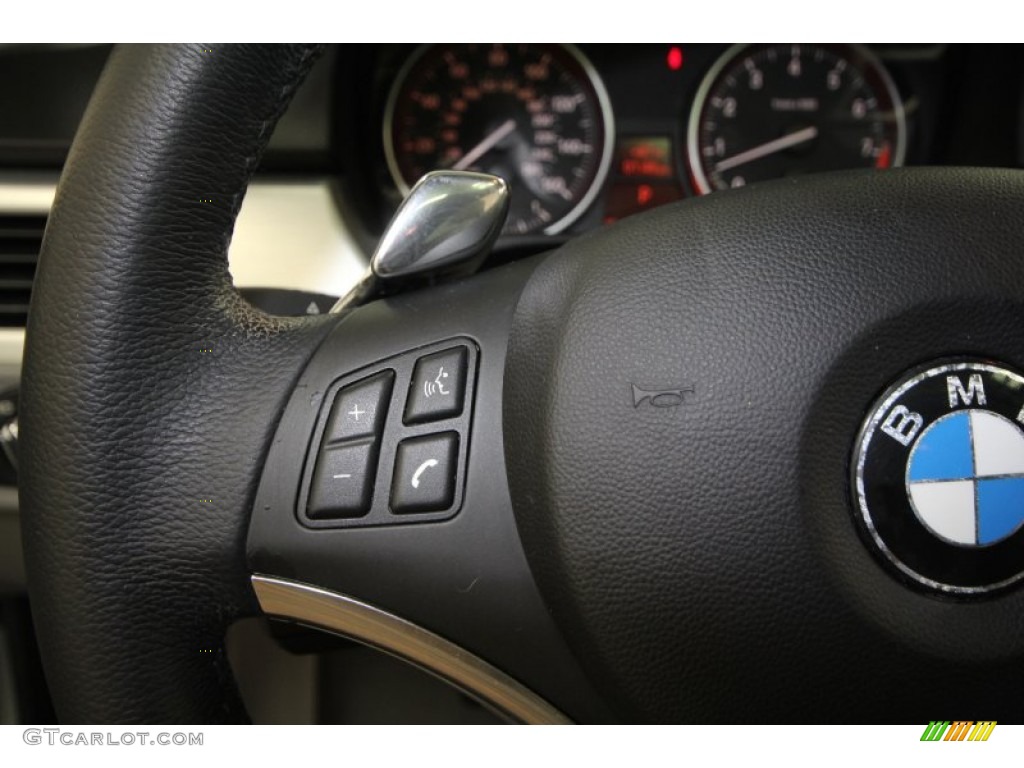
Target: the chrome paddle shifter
pixel 446 224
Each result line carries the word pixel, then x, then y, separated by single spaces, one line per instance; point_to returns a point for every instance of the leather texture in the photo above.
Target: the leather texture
pixel 703 559
pixel 150 388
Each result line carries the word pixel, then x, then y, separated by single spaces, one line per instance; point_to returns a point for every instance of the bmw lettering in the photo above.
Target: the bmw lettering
pixel 938 477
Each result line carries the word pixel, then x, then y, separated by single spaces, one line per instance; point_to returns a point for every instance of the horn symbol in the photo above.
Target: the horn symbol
pixel 660 398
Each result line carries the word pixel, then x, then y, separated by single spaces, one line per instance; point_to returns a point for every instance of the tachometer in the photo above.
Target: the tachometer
pixel 536 115
pixel 769 111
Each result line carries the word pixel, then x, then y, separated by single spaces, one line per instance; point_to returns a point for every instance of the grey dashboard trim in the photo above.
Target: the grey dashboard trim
pixel 377 628
pixel 291 235
pixel 30 196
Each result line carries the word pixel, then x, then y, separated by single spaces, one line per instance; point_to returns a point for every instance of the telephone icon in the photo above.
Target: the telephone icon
pixel 420 470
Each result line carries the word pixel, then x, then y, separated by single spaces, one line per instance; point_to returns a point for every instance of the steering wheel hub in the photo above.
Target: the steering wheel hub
pixel 680 546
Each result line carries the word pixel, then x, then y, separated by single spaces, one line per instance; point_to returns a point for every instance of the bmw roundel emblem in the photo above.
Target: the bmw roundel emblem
pixel 939 477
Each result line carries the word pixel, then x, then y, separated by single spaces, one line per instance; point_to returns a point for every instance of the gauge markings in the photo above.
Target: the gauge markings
pixel 536 115
pixel 780 110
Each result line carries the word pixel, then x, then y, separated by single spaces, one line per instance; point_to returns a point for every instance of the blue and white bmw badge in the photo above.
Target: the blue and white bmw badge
pixel 939 477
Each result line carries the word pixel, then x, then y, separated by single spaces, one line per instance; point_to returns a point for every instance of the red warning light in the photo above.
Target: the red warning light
pixel 884 157
pixel 644 194
pixel 675 58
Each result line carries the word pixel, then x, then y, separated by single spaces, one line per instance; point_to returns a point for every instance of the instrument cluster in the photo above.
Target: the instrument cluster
pixel 587 135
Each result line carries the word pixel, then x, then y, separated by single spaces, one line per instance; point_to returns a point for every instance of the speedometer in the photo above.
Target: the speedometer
pixel 769 111
pixel 537 116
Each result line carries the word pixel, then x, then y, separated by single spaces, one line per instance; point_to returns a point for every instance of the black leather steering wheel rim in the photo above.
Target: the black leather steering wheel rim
pixel 151 387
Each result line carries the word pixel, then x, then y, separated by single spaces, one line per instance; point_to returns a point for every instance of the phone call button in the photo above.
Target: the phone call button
pixel 424 479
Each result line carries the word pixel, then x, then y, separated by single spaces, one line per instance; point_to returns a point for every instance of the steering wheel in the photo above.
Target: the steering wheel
pixel 640 502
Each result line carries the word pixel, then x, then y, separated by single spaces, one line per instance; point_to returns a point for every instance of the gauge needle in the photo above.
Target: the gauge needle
pixel 768 148
pixel 484 146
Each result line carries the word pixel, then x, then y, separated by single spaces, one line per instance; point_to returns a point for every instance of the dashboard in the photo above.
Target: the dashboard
pixel 589 134
pixel 585 134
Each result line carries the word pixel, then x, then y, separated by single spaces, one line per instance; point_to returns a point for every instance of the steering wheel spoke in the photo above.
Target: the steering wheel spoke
pixel 384 513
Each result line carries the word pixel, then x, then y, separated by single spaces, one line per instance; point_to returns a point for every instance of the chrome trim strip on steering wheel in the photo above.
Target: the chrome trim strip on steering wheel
pixel 379 629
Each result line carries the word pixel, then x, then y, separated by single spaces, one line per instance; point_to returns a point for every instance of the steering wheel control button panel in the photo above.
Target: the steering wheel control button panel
pixel 391 441
pixel 343 481
pixel 360 409
pixel 438 387
pixel 424 478
pixel 939 477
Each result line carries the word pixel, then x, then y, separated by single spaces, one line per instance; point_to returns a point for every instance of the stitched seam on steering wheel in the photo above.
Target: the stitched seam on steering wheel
pixel 299 70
